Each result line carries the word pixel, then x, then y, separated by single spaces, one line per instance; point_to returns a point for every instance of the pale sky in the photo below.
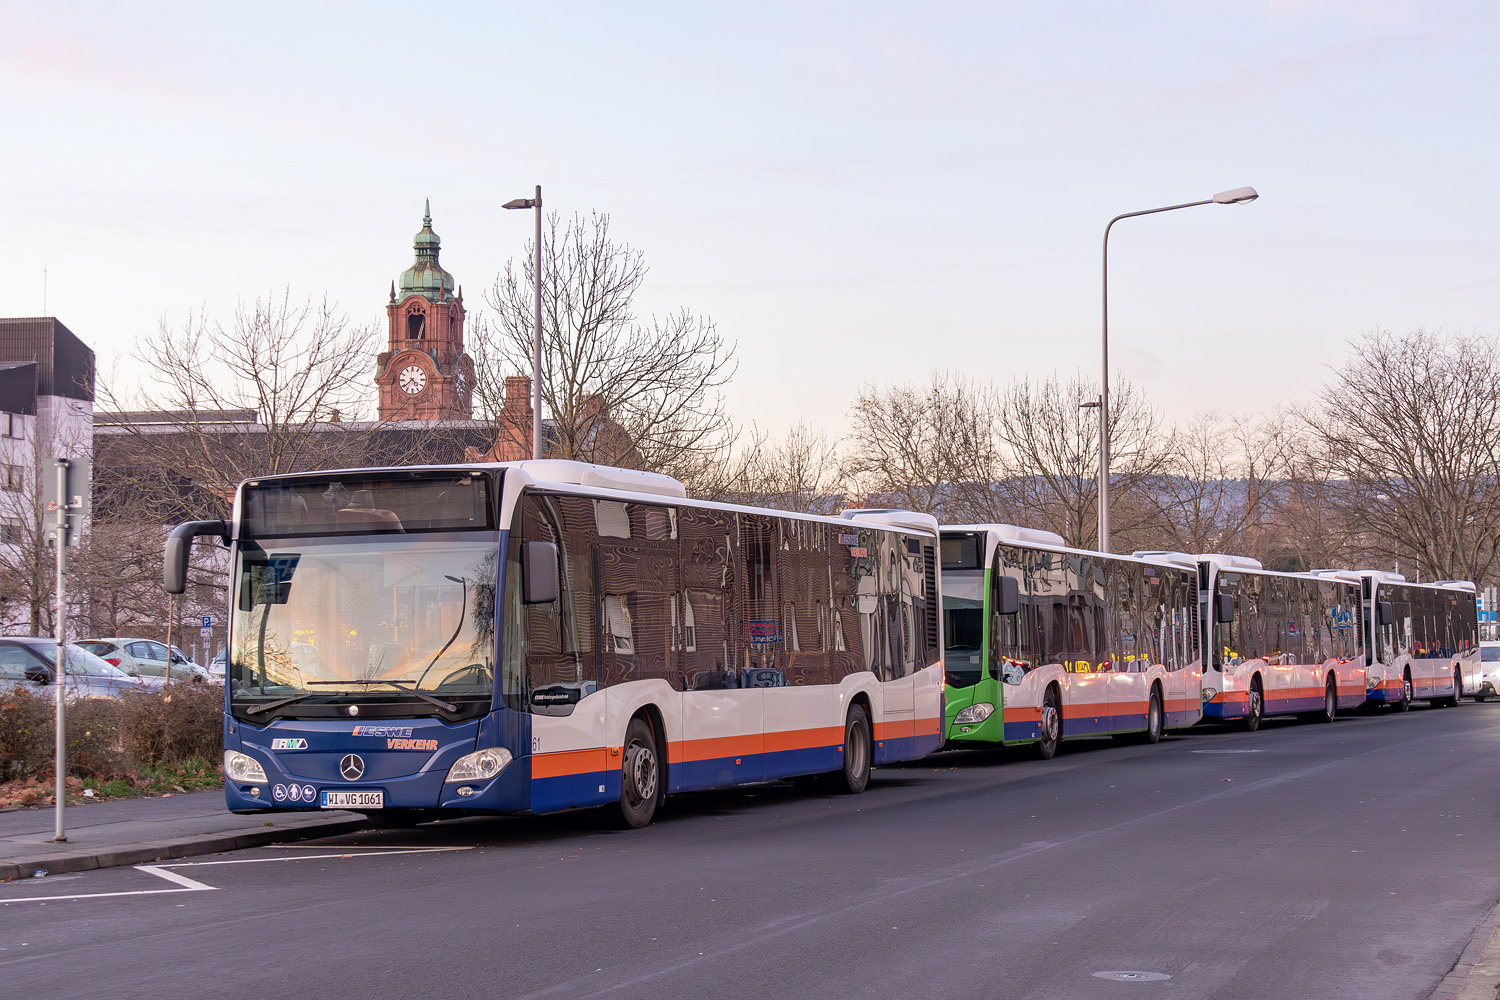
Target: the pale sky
pixel 854 192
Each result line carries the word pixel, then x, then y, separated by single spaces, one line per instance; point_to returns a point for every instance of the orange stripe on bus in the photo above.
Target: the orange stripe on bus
pixel 568 762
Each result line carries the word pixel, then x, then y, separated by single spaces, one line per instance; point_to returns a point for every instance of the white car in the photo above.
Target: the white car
pixel 1489 670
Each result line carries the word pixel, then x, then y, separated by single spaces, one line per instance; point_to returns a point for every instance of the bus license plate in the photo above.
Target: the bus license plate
pixel 354 800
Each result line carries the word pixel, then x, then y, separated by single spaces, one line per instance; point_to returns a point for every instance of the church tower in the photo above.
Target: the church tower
pixel 424 373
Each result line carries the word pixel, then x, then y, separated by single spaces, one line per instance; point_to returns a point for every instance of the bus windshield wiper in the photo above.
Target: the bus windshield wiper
pixel 256 710
pixel 400 685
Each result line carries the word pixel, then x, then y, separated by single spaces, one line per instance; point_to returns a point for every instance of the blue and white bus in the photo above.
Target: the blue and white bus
pixel 537 636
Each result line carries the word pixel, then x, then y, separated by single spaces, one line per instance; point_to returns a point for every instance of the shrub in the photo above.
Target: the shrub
pixel 107 736
pixel 27 725
pixel 182 721
pixel 26 730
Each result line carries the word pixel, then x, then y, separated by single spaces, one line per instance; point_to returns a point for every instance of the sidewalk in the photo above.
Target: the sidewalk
pixel 140 831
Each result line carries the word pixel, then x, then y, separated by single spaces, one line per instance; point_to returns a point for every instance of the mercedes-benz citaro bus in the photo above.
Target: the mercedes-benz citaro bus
pixel 537 636
pixel 1425 638
pixel 1045 642
pixel 1279 643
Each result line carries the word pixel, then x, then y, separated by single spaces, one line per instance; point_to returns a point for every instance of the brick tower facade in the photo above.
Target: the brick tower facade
pixel 424 373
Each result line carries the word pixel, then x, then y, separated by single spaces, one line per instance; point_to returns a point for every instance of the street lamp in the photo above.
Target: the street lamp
pixel 1238 196
pixel 536 333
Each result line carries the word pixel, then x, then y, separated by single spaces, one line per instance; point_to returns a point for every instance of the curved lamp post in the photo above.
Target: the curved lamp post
pixel 1238 196
pixel 536 335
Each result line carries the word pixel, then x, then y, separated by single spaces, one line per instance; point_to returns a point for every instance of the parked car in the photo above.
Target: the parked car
pixel 145 657
pixel 1489 670
pixel 27 661
pixel 219 664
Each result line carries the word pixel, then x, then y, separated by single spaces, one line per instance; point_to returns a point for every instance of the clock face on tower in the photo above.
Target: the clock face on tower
pixel 412 379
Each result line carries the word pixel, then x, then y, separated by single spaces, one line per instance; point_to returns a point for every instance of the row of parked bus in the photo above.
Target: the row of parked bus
pixel 544 635
pixel 1046 642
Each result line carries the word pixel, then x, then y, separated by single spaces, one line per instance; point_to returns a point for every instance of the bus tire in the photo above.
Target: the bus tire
pixel 1330 704
pixel 1403 704
pixel 1156 719
pixel 1046 746
pixel 859 753
pixel 640 775
pixel 1458 690
pixel 1255 706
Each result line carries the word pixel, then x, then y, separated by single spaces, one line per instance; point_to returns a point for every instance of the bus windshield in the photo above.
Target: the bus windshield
pixel 963 627
pixel 403 624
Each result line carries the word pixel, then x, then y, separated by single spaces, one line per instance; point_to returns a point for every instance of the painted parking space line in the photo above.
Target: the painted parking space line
pixel 182 883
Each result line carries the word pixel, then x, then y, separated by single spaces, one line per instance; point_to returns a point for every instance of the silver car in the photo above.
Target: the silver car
pixel 30 661
pixel 146 658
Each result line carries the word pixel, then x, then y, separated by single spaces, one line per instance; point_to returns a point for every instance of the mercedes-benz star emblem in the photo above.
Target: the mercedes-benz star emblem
pixel 352 767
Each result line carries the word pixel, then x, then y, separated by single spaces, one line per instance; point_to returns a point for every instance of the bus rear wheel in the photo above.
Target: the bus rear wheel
pixel 859 753
pixel 1046 747
pixel 1458 690
pixel 1156 720
pixel 640 775
pixel 1330 705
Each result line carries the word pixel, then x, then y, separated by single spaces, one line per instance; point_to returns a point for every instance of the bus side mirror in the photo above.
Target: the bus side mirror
pixel 1383 612
pixel 1223 608
pixel 1010 596
pixel 174 570
pixel 538 572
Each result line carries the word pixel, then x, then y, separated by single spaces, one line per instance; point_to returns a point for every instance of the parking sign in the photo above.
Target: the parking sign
pixel 208 621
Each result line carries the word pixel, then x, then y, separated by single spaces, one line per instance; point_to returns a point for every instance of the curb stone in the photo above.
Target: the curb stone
pixel 1476 974
pixel 178 847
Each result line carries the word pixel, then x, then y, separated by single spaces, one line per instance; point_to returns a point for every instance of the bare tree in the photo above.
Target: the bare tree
pixel 801 473
pixel 1050 444
pixel 1221 486
pixel 282 370
pixel 928 448
pixel 1411 424
pixel 621 390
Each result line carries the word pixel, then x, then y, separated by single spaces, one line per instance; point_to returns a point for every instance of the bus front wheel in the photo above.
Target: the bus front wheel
pixel 1051 725
pixel 1404 703
pixel 640 776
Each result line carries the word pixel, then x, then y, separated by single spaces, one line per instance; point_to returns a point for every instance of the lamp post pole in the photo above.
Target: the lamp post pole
pixel 1238 196
pixel 536 333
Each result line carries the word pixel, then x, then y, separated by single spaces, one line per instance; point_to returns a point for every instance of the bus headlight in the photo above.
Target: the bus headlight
pixel 243 768
pixel 480 765
pixel 1208 694
pixel 1372 681
pixel 974 713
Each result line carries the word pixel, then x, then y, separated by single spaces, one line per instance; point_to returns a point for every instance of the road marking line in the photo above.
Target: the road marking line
pixel 184 884
pixel 315 857
pixel 182 880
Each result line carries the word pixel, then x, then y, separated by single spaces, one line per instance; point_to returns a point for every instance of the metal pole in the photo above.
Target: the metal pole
pixel 1104 376
pixel 60 661
pixel 536 341
pixel 1104 407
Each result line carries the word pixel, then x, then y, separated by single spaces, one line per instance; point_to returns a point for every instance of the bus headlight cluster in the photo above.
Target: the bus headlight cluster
pixel 243 768
pixel 973 714
pixel 1371 681
pixel 480 765
pixel 1208 694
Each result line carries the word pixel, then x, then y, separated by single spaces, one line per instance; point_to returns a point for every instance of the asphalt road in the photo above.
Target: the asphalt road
pixel 1348 860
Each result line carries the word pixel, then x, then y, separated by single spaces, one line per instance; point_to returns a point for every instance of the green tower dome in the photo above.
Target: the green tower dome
pixel 426 277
